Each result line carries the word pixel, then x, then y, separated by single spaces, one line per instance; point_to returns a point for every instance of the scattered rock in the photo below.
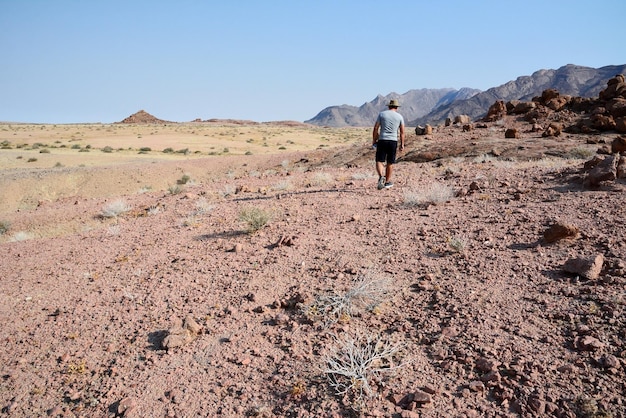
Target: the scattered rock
pixel 477 386
pixel 609 361
pixel 559 231
pixel 588 343
pixel 511 133
pixel 126 406
pixel 587 267
pixel 181 335
pixel 618 145
pixel 605 170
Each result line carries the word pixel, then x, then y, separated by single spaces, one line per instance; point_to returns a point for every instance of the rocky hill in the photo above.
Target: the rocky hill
pixel 433 106
pixel 415 104
pixel 142 117
pixel 570 80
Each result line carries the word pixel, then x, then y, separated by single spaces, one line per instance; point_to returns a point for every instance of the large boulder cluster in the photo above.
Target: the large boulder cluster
pixel 607 112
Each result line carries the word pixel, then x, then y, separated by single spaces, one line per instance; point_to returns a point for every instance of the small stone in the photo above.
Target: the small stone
pixel 192 326
pixel 238 248
pixel 566 368
pixel 421 397
pixel 588 343
pixel 126 405
pixel 560 231
pixel 588 267
pixel 609 361
pixel 430 389
pixel 485 365
pixel 537 405
pixel 55 412
pixel 281 319
pixel 477 386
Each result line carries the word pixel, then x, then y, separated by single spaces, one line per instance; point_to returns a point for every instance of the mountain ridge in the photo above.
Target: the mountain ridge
pixel 433 106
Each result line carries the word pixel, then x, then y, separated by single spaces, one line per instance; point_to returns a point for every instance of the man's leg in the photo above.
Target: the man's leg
pixel 388 172
pixel 380 168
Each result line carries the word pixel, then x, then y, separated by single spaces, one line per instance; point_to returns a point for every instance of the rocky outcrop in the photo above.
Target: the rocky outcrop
pixel 143 117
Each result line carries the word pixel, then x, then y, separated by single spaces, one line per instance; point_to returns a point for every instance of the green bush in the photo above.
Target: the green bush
pixel 254 218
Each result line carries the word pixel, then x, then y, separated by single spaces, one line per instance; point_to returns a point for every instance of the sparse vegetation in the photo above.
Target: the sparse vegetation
pixel 255 218
pixel 581 153
pixel 367 293
pixel 21 236
pixel 433 193
pixel 321 179
pixel 114 209
pixel 184 179
pixel 457 244
pixel 4 227
pixel 107 149
pixel 176 188
pixel 353 362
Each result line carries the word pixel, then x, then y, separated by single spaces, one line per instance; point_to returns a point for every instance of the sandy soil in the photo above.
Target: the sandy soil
pixel 126 294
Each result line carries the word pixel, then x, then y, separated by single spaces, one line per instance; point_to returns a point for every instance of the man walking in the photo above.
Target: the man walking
pixel 389 126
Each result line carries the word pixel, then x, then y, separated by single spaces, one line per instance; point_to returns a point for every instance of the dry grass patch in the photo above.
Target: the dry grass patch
pixel 432 193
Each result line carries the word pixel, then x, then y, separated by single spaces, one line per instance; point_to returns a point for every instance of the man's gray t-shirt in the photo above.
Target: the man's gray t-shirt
pixel 389 122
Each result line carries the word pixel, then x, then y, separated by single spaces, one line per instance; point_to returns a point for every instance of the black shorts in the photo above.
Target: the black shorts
pixel 386 151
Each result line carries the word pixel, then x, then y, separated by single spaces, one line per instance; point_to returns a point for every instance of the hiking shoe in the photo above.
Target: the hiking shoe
pixel 381 182
pixel 388 185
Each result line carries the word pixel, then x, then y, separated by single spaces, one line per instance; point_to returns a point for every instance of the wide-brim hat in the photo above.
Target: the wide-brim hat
pixel 393 103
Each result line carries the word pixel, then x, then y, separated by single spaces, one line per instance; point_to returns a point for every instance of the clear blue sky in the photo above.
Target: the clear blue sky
pixel 66 61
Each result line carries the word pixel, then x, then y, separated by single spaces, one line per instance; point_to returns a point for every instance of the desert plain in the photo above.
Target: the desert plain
pixel 207 269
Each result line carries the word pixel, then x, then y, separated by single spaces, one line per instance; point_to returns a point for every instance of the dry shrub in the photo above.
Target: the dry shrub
pixel 431 194
pixel 114 209
pixel 366 293
pixel 354 363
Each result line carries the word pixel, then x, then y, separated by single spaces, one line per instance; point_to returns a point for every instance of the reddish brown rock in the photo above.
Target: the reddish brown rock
pixel 511 133
pixel 588 267
pixel 559 231
pixel 178 336
pixel 618 145
pixel 554 129
pixel 605 170
pixel 588 343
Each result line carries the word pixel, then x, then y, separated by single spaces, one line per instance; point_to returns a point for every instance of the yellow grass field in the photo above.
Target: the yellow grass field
pixel 46 163
pixel 47 146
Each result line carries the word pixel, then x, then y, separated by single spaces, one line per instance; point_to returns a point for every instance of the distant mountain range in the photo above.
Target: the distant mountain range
pixel 433 106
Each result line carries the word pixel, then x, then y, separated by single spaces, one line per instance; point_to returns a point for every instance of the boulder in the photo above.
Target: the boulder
pixel 462 119
pixel 496 112
pixel 511 133
pixel 603 122
pixel 618 145
pixel 621 168
pixel 523 107
pixel 620 125
pixel 424 130
pixel 554 129
pixel 605 170
pixel 548 95
pixel 616 107
pixel 557 103
pixel 616 87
